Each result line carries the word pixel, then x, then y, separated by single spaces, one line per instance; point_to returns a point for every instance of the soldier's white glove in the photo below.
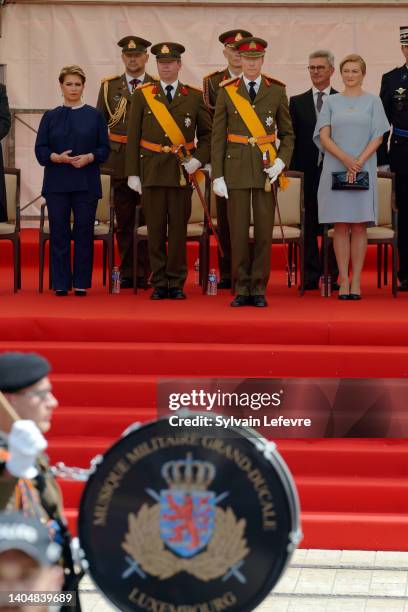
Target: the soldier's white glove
pixel 192 165
pixel 208 168
pixel 274 171
pixel 220 188
pixel 25 441
pixel 384 168
pixel 135 184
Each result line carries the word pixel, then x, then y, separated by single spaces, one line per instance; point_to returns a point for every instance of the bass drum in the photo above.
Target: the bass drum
pixel 197 521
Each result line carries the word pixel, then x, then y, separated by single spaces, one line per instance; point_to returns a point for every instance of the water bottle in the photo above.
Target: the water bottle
pixel 323 286
pixel 115 280
pixel 212 283
pixel 197 271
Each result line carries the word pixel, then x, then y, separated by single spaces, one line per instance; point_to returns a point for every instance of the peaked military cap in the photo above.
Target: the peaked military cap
pixel 167 51
pixel 404 35
pixel 21 370
pixel 232 36
pixel 133 44
pixel 251 46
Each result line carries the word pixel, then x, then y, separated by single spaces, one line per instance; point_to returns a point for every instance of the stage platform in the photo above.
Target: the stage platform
pixel 108 351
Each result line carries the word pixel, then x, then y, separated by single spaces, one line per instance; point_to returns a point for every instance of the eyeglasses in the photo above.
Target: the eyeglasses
pixel 41 393
pixel 317 68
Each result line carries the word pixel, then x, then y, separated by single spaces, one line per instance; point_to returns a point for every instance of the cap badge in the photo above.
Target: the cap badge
pixel 132 44
pixel 164 49
pixel 238 36
pixel 252 45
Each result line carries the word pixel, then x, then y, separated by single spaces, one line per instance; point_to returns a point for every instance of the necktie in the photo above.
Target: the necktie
pixel 319 101
pixel 134 83
pixel 168 94
pixel 252 92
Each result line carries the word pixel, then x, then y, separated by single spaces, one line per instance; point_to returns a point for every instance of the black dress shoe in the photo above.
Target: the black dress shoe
pixel 80 292
pixel 259 301
pixel 403 286
pixel 343 296
pixel 160 293
pixel 311 285
pixel 354 296
pixel 225 283
pixel 241 300
pixel 126 283
pixel 176 294
pixel 61 292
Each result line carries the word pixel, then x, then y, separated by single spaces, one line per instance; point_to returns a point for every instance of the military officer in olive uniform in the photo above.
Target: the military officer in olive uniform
pixel 163 116
pixel 394 94
pixel 26 480
pixel 248 111
pixel 114 100
pixel 211 84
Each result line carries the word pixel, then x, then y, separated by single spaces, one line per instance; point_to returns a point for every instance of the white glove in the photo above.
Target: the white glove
pixel 25 441
pixel 208 168
pixel 192 165
pixel 135 184
pixel 384 168
pixel 274 171
pixel 220 188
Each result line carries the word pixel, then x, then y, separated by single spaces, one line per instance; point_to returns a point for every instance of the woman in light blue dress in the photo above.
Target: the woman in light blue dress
pixel 349 131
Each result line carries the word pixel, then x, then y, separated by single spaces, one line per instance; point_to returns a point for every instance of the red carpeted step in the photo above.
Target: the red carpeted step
pixel 221 360
pixel 97 422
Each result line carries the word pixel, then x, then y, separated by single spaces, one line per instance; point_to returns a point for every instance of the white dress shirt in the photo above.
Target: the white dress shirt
pixel 130 78
pixel 315 91
pixel 256 81
pixel 174 85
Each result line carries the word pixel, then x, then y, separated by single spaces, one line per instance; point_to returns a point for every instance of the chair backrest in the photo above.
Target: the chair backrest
pixel 384 200
pixel 12 180
pixel 197 211
pixel 103 208
pixel 289 202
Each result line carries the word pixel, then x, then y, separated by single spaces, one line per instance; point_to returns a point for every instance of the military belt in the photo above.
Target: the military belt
pixel 158 148
pixel 398 132
pixel 118 138
pixel 252 140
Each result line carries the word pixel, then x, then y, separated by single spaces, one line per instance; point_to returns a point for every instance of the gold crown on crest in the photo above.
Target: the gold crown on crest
pixel 164 49
pixel 132 44
pixel 188 473
pixel 238 36
pixel 252 45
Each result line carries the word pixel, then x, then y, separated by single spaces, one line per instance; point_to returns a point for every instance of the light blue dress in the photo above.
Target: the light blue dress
pixel 354 122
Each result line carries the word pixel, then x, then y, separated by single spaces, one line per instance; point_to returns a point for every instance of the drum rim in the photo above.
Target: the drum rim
pixel 269 451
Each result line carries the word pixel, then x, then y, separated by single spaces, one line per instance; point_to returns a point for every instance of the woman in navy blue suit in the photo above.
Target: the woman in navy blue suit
pixel 72 142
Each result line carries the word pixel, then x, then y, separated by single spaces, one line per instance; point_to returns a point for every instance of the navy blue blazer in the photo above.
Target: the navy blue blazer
pixel 83 130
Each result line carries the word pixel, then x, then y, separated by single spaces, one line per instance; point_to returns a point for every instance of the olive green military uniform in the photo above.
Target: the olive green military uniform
pixel 210 88
pixel 115 98
pixel 165 201
pixel 241 166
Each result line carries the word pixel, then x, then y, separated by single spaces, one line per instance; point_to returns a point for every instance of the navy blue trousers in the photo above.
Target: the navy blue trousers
pixel 83 206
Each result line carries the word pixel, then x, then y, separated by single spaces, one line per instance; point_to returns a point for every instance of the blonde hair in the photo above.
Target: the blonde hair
pixel 76 70
pixel 354 57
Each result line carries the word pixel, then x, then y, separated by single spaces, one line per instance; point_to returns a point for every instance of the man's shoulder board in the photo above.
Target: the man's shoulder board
pixel 111 78
pixel 194 88
pixel 229 81
pixel 215 73
pixel 273 80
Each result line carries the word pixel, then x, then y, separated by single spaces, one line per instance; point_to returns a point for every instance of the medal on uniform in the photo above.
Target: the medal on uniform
pixel 187 121
pixel 269 121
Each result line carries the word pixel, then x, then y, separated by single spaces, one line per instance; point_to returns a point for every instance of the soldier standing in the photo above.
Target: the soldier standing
pixel 211 84
pixel 394 95
pixel 164 116
pixel 114 100
pixel 249 110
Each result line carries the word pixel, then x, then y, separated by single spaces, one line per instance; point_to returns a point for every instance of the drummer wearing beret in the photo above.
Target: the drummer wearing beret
pixel 26 480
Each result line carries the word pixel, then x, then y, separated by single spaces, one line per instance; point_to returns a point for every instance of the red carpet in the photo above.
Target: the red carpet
pixel 107 352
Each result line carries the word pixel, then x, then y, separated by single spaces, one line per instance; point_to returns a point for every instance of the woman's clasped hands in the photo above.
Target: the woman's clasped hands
pixel 78 161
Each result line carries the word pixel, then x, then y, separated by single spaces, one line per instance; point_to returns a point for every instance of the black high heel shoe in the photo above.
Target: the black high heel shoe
pixel 355 296
pixel 80 292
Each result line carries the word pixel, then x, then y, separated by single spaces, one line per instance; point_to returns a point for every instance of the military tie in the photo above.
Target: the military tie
pixel 134 83
pixel 319 101
pixel 252 92
pixel 169 89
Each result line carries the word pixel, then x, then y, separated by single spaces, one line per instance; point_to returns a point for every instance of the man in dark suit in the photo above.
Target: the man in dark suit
pixel 394 95
pixel 304 109
pixel 5 122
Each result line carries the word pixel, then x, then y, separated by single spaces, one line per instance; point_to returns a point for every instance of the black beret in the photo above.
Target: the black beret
pixel 21 370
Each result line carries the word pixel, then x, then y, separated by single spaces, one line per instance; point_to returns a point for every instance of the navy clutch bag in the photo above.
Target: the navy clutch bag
pixel 340 182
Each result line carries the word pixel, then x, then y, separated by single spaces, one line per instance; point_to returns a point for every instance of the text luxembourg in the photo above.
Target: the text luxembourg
pixel 230 421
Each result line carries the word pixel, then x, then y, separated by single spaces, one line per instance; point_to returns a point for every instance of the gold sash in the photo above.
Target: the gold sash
pixel 254 125
pixel 163 116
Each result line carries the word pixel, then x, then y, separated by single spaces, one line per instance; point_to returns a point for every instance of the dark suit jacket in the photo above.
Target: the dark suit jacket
pixel 397 157
pixel 5 122
pixel 82 130
pixel 303 113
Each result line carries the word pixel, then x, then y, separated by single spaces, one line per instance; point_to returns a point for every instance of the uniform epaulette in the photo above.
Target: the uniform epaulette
pixel 273 80
pixel 194 87
pixel 110 78
pixel 229 81
pixel 208 76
